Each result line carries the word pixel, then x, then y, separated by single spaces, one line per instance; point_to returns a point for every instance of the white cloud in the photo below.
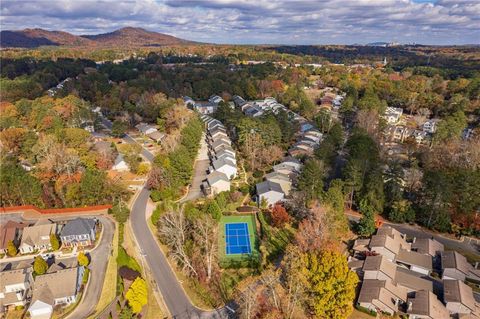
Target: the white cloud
pixel 260 21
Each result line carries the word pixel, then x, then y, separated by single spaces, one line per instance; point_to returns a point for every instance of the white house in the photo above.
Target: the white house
pixel 392 114
pixel 225 166
pixel 270 192
pixel 218 182
pixel 52 289
pixel 430 126
pixel 145 129
pixel 120 165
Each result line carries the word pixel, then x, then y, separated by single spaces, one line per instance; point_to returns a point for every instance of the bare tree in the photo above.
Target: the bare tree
pixel 173 230
pixel 313 231
pixel 206 234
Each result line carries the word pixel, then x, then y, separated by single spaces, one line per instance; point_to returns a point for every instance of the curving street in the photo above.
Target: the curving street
pixel 173 294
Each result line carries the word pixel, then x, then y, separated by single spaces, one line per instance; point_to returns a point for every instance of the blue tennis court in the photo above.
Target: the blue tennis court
pixel 237 240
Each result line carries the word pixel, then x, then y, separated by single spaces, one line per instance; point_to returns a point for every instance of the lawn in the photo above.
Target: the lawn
pixel 238 260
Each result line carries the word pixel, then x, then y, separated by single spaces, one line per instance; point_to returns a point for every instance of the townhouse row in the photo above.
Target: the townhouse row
pixel 223 163
pixel 397 277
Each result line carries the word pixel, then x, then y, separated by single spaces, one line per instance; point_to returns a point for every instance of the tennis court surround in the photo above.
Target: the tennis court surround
pixel 237 239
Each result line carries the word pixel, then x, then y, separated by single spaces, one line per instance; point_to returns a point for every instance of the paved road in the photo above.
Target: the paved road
pixel 98 267
pixel 127 138
pixel 173 294
pixel 419 232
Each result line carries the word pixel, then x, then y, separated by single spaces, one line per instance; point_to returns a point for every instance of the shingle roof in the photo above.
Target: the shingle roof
pixel 278 176
pixel 380 263
pixel 425 303
pixel 414 258
pixel 8 232
pixel 267 186
pixel 78 226
pixel 216 176
pixel 452 259
pixel 62 283
pixel 427 246
pixel 13 277
pixel 222 162
pixel 457 291
pixel 412 280
pixel 34 235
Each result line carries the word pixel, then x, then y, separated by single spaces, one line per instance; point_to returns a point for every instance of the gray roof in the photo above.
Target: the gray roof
pixel 427 246
pixel 267 186
pixel 156 135
pixel 216 176
pixel 277 175
pixel 222 162
pixel 457 291
pixel 102 146
pixel 78 226
pixel 414 258
pixel 412 280
pixel 59 284
pixel 452 259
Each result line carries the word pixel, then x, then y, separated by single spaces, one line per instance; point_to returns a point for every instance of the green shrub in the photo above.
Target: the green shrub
pixel 366 310
pixel 123 259
pixel 86 273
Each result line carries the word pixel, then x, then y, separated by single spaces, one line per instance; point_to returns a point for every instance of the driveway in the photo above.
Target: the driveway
pixel 172 292
pixel 202 162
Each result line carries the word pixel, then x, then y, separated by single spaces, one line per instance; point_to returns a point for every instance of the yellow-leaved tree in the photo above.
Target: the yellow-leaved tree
pixel 329 284
pixel 137 295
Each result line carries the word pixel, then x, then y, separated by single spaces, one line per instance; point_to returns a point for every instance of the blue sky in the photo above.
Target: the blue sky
pixel 260 21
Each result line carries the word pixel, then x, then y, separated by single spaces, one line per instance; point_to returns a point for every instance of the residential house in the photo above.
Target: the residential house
pixel 15 287
pixel 458 297
pixel 425 305
pixel 213 123
pixel 205 107
pixel 430 126
pixel 305 127
pixel 189 102
pixel 145 129
pixel 385 245
pixel 427 246
pixel 297 151
pixel 379 267
pixel 224 155
pixel 79 232
pixel 455 266
pixel 281 179
pixel 103 147
pixel 392 114
pixel 253 111
pixel 120 165
pixel 415 261
pixel 215 99
pixel 37 237
pixel 285 169
pixel 270 192
pixel 223 149
pixel 304 146
pixel 156 136
pixel 225 166
pixel 98 136
pixel 10 231
pixel 238 101
pixel 220 142
pixel 52 289
pixel 218 134
pixel 216 183
pixel 412 280
pixel 292 161
pixel 381 296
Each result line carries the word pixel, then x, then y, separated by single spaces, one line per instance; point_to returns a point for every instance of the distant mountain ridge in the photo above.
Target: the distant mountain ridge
pixel 128 36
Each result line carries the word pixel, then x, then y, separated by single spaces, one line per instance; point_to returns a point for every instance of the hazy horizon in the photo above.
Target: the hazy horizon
pixel 306 22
